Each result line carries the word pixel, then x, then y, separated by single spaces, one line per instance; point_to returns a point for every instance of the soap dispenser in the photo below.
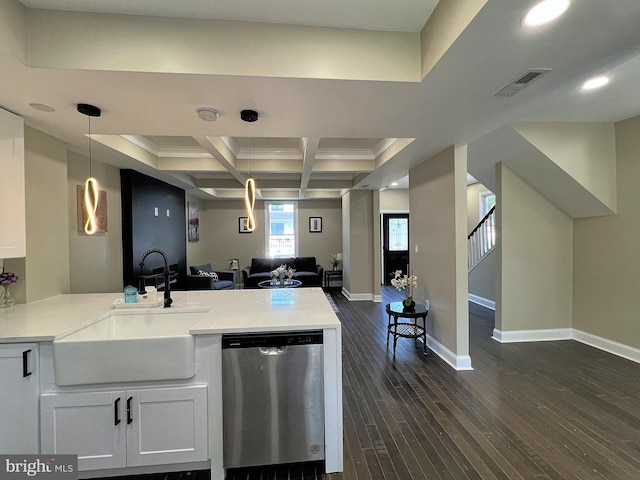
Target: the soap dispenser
pixel 130 294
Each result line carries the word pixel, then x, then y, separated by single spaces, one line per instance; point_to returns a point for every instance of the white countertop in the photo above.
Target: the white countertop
pixel 227 311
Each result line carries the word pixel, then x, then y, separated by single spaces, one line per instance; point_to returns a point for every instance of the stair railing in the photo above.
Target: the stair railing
pixel 482 239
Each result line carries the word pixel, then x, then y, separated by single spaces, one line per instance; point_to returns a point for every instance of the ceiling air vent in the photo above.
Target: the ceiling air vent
pixel 524 79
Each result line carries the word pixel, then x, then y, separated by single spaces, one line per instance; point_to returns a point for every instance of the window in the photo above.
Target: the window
pixel 398 234
pixel 282 229
pixel 487 202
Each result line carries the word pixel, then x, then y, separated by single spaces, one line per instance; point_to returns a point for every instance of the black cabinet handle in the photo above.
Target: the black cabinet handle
pixel 25 363
pixel 116 411
pixel 129 419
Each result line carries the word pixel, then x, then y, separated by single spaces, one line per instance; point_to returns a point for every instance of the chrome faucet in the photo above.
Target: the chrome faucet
pixel 167 289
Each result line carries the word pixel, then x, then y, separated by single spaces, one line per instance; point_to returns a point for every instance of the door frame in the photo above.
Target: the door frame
pixel 382 214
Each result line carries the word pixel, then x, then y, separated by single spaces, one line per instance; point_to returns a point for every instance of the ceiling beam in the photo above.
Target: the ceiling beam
pixel 309 152
pixel 219 150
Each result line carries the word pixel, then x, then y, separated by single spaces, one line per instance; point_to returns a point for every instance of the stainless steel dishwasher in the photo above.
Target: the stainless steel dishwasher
pixel 273 407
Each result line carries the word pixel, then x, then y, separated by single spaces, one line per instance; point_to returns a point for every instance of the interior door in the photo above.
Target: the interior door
pixel 395 244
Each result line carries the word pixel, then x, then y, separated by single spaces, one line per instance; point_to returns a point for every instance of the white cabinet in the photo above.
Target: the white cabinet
pixel 19 398
pixel 127 428
pixel 13 242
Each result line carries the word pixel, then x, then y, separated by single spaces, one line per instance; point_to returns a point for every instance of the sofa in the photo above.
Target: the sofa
pixel 306 270
pixel 200 277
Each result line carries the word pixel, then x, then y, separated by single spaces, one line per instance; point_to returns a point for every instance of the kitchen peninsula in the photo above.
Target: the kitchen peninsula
pixel 29 334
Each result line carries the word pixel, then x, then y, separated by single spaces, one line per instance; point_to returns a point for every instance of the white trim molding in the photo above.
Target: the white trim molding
pixel 484 302
pixel 615 348
pixel 357 297
pixel 601 343
pixel 458 362
pixel 543 335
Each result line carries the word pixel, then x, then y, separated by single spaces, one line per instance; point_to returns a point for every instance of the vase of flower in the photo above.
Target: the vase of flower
pixel 6 280
pixel 406 284
pixel 408 305
pixel 6 299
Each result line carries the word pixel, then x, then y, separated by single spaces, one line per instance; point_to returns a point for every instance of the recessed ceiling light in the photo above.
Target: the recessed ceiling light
pixel 394 184
pixel 42 107
pixel 595 82
pixel 208 114
pixel 544 12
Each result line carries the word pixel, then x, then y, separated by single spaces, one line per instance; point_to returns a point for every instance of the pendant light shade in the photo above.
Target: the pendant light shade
pixel 250 116
pixel 91 187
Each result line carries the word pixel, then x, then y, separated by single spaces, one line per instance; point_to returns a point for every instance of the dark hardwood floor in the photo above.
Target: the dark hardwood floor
pixel 545 410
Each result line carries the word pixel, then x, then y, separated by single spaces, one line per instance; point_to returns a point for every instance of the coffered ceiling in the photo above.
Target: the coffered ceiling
pixel 350 93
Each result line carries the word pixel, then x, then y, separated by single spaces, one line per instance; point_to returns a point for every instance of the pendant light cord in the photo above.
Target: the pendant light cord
pixel 250 171
pixel 90 166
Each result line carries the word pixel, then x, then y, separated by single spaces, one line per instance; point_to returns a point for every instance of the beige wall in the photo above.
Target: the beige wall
pixel 585 151
pixel 77 40
pixel 437 192
pixel 359 217
pixel 45 270
pixel 95 261
pixel 394 200
pixel 329 241
pixel 534 271
pixel 220 239
pixel 346 242
pixel 482 279
pixel 605 278
pixel 13 29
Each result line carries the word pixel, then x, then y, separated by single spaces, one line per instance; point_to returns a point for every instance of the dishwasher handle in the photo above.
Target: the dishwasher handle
pixel 273 350
pixel 270 340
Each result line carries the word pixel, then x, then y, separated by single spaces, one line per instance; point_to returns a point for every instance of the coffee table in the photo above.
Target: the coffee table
pixel 406 329
pixel 287 284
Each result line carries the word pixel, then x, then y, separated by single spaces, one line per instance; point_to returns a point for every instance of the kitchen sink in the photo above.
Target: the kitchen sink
pixel 128 348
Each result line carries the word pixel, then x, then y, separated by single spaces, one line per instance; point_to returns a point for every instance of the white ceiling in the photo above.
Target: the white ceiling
pixel 349 127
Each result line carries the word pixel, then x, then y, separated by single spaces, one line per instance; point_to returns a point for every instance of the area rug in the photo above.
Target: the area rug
pixel 332 303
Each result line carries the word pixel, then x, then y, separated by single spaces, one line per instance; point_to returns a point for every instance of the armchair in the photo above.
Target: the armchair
pixel 202 281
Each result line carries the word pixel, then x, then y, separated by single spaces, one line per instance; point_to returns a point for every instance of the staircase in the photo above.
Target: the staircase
pixel 482 239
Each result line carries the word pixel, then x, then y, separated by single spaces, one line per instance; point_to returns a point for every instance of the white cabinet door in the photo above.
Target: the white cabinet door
pixel 169 425
pixel 13 242
pixel 91 425
pixel 19 398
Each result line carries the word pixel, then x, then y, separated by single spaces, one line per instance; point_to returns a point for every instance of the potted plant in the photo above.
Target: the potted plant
pixel 406 283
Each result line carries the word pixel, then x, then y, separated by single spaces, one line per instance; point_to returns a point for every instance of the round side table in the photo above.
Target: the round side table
pixel 408 329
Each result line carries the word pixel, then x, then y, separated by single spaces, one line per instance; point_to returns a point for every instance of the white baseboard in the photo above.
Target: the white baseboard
pixel 601 343
pixel 458 362
pixel 357 297
pixel 616 348
pixel 377 298
pixel 485 302
pixel 532 335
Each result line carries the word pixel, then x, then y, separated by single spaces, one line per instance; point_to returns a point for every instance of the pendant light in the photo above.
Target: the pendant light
pixel 250 116
pixel 91 187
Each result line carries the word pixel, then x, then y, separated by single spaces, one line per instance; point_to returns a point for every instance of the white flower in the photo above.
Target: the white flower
pixel 281 271
pixel 402 282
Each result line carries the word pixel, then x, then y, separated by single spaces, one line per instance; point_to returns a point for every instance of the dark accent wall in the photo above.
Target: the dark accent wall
pixel 142 229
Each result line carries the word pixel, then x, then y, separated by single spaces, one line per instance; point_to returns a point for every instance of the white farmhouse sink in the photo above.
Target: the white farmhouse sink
pixel 128 348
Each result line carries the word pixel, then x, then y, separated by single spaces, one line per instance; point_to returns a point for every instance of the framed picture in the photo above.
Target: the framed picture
pixel 193 222
pixel 242 225
pixel 315 224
